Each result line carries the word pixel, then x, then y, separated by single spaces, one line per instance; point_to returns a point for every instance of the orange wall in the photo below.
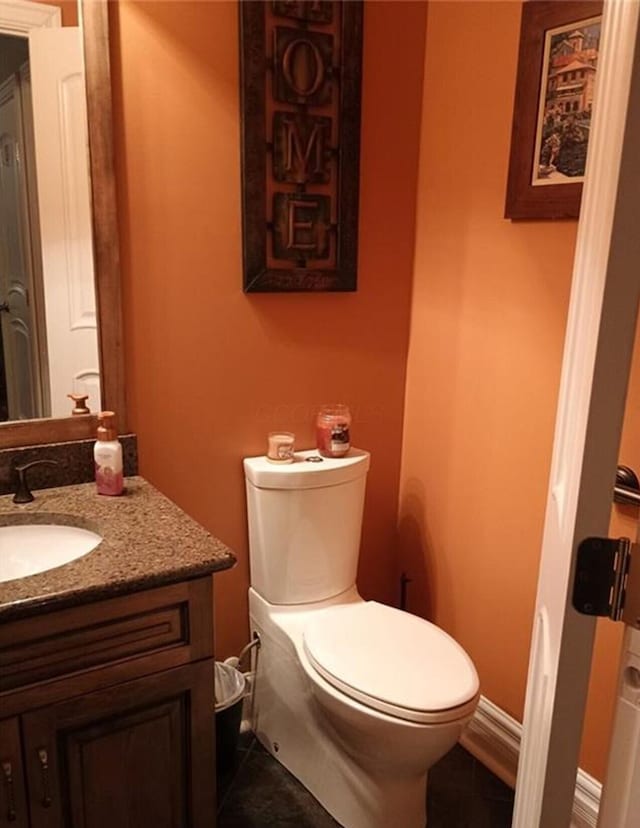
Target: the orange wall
pixel 69 11
pixel 487 327
pixel 209 370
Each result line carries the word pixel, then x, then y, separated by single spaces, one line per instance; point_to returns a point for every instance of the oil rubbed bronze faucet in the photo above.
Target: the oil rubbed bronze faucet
pixel 23 492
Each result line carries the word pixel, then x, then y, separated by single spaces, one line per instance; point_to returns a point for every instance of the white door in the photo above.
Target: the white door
pixel 620 805
pixel 17 319
pixel 598 348
pixel 64 197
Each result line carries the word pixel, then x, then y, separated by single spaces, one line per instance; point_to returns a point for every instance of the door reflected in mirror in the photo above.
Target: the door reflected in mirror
pixel 49 343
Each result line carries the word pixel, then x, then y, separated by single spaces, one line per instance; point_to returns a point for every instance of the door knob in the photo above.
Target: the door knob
pixel 627 487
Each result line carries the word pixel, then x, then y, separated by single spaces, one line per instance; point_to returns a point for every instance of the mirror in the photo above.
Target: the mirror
pixel 51 347
pixel 49 341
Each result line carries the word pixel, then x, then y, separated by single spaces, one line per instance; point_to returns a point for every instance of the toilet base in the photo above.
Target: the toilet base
pixel 357 780
pixel 355 799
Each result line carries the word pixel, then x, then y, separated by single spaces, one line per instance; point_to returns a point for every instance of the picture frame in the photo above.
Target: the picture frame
pixel 557 65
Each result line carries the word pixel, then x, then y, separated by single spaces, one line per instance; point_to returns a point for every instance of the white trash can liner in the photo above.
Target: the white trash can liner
pixel 230 685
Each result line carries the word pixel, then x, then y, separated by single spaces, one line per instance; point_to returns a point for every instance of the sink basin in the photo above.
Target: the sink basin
pixel 27 549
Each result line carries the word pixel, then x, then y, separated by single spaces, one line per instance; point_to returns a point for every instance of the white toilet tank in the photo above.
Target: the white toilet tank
pixel 305 520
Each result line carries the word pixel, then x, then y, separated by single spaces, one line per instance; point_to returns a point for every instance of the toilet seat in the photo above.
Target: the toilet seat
pixel 393 662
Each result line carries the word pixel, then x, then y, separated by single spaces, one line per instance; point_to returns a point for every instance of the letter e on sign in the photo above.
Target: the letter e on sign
pixel 301 226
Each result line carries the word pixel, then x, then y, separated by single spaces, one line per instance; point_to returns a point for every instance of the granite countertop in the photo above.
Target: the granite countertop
pixel 148 541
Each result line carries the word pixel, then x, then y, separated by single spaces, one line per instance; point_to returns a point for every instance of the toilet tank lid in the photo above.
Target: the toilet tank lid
pixel 304 473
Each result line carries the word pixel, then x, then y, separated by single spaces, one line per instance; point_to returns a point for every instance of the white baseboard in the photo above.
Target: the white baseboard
pixel 493 737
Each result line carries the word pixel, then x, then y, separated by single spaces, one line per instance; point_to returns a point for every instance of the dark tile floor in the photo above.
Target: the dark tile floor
pixel 260 793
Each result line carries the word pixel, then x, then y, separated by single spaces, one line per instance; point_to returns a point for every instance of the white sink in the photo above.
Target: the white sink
pixel 31 548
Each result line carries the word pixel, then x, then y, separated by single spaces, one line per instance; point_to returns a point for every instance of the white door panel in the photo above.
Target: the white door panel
pixel 64 195
pixel 620 804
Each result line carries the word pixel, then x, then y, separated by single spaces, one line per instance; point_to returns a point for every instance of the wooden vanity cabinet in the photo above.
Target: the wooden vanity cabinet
pixel 120 744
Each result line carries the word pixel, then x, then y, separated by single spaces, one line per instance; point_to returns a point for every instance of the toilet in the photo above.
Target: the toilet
pixel 356 699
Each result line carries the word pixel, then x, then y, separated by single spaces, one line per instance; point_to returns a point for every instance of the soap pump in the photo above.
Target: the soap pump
pixel 107 454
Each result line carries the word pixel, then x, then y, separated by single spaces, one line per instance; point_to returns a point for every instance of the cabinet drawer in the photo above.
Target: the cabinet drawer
pixel 173 620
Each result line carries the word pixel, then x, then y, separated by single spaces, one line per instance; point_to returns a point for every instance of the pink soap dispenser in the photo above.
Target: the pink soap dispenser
pixel 107 454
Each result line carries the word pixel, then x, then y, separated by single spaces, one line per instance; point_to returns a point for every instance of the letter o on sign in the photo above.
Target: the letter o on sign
pixel 302 67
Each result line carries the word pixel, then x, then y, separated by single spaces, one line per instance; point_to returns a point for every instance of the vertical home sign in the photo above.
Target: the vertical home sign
pixel 301 70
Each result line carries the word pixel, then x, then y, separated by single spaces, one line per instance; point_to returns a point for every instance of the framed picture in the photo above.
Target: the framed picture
pixel 557 67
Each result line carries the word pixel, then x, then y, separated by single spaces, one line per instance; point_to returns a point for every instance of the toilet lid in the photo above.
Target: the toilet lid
pixel 392 661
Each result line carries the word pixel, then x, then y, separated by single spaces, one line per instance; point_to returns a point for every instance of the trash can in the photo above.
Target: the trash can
pixel 230 687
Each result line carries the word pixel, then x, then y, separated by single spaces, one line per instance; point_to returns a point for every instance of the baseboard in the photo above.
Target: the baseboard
pixel 493 737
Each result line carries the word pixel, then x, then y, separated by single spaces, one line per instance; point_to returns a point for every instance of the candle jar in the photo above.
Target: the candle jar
pixel 280 447
pixel 332 430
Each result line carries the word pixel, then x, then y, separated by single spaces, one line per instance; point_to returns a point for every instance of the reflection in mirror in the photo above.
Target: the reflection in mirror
pixel 49 345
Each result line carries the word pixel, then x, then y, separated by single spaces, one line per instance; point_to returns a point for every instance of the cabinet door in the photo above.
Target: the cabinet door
pixel 13 802
pixel 137 754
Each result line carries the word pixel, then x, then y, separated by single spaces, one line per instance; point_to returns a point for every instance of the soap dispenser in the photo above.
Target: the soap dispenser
pixel 107 454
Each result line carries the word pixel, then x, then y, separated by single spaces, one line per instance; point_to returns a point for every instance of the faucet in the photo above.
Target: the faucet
pixel 23 492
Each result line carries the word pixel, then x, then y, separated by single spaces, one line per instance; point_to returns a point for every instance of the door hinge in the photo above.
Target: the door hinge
pixel 607 580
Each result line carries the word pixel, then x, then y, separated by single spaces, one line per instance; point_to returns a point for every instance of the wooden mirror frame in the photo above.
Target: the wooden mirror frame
pixel 106 251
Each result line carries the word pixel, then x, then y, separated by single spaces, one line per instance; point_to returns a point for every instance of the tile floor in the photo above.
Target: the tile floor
pixel 260 793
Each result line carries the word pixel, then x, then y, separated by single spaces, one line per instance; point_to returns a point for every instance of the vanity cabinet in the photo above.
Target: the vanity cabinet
pixel 112 713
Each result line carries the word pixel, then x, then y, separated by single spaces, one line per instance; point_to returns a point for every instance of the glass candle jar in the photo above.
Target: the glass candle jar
pixel 280 446
pixel 332 430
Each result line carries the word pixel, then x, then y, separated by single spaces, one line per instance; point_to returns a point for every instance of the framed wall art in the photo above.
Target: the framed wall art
pixel 557 68
pixel 301 66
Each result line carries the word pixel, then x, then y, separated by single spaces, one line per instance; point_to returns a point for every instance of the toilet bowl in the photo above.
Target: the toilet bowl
pixel 358 700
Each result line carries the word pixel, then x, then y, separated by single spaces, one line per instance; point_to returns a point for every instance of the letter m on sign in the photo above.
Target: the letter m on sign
pixel 301 148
